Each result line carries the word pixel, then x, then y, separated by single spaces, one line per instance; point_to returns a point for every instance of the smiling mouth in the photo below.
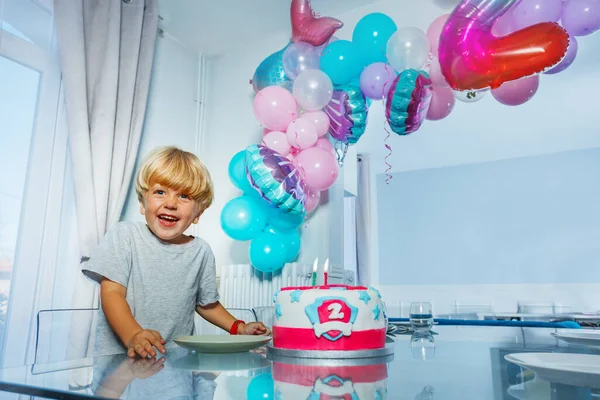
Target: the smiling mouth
pixel 167 220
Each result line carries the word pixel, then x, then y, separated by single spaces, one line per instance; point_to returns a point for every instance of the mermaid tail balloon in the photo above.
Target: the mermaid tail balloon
pixel 276 179
pixel 408 101
pixel 306 27
pixel 270 72
pixel 472 58
pixel 347 112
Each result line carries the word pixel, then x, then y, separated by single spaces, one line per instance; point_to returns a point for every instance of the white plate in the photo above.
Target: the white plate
pixel 566 368
pixel 221 344
pixel 531 390
pixel 221 362
pixel 590 338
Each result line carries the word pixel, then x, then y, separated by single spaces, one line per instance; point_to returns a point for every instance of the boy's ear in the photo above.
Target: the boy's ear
pixel 195 221
pixel 142 208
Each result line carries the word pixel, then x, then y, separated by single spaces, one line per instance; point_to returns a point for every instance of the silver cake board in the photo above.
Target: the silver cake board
pixel 383 352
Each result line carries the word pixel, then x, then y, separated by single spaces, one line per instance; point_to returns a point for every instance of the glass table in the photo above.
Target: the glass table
pixel 453 363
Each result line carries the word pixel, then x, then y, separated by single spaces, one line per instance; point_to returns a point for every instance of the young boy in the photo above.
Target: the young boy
pixel 152 276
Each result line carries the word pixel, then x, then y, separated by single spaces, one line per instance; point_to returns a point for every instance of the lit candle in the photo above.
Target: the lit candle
pixel 325 271
pixel 314 274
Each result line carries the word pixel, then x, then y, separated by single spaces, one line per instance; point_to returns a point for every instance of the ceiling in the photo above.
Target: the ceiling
pixel 213 27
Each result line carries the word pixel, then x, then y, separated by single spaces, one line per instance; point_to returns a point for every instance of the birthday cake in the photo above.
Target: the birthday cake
pixel 332 317
pixel 327 382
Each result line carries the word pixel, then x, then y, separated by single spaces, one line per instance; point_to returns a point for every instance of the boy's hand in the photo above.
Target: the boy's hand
pixel 143 343
pixel 253 328
pixel 143 368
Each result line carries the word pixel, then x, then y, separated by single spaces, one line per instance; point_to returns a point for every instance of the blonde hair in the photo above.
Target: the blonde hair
pixel 179 170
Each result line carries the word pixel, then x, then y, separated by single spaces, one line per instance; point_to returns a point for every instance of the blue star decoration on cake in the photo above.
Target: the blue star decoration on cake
pixel 275 296
pixel 376 312
pixel 295 296
pixel 278 310
pixel 277 394
pixel 376 291
pixel 364 296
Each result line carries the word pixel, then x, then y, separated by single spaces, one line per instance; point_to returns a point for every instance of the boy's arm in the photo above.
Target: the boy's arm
pixel 121 320
pixel 217 315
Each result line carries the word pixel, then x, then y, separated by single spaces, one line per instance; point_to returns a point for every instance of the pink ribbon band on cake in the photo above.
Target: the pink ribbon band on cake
pixel 306 375
pixel 305 339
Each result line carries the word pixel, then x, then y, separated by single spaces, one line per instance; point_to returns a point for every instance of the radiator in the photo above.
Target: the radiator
pixel 243 286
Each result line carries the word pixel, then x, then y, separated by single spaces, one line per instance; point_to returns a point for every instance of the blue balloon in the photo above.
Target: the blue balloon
pixel 237 172
pixel 371 35
pixel 267 252
pixel 291 240
pixel 244 217
pixel 270 71
pixel 341 60
pixel 261 387
pixel 285 221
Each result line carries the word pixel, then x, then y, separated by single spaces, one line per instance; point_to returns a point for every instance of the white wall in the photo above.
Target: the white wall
pixel 173 107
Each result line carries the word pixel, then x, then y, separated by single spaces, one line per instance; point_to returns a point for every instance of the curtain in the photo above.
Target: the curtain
pixel 106 50
pixel 364 245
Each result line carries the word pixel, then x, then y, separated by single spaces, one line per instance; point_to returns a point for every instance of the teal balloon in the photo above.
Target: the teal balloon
pixel 285 221
pixel 371 35
pixel 237 172
pixel 341 60
pixel 267 252
pixel 291 240
pixel 270 71
pixel 261 387
pixel 244 217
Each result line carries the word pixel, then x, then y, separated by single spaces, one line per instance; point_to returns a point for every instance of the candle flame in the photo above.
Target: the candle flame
pixel 326 268
pixel 315 264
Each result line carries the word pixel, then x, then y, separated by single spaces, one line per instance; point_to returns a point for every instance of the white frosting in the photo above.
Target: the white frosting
pixel 293 313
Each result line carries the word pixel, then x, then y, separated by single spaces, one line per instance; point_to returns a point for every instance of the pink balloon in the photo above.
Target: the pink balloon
pixel 325 145
pixel 320 168
pixel 320 120
pixel 302 133
pixel 435 74
pixel 434 31
pixel 275 108
pixel 442 103
pixel 277 141
pixel 514 93
pixel 312 199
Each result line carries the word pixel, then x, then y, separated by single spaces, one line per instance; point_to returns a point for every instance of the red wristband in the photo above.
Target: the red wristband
pixel 234 327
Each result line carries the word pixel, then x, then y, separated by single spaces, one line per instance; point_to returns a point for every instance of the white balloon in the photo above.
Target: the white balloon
pixel 408 48
pixel 313 89
pixel 470 96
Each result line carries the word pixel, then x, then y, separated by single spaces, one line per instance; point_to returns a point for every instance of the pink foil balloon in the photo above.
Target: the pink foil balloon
pixel 442 103
pixel 515 93
pixel 471 57
pixel 320 120
pixel 302 133
pixel 569 58
pixel 434 31
pixel 320 168
pixel 277 141
pixel 435 74
pixel 306 27
pixel 275 108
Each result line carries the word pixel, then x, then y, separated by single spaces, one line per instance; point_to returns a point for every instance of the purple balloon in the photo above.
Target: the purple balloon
pixel 376 80
pixel 531 12
pixel 568 59
pixel 581 17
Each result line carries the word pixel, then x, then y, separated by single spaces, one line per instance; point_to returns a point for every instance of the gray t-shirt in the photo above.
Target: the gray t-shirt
pixel 164 281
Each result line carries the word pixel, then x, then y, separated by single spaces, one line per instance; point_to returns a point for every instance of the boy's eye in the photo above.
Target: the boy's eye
pixel 158 191
pixel 185 196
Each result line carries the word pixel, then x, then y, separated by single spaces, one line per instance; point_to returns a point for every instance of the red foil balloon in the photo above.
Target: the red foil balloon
pixel 306 27
pixel 472 58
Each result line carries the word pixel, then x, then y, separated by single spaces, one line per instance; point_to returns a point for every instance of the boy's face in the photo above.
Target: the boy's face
pixel 169 213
